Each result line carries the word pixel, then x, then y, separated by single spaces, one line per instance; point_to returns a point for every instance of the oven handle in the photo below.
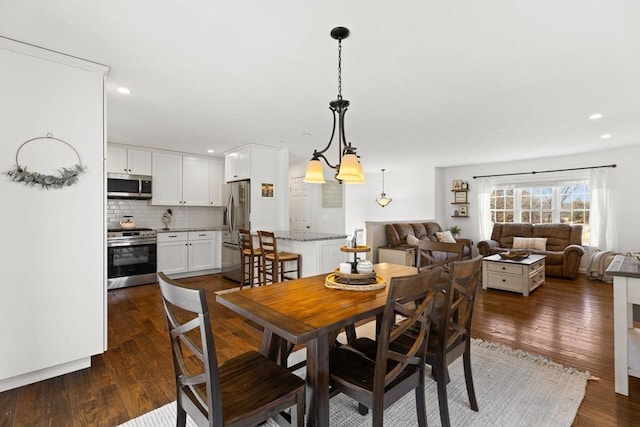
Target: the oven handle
pixel 130 243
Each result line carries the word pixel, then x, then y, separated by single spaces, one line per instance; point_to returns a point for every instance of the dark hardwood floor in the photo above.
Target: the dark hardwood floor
pixel 570 322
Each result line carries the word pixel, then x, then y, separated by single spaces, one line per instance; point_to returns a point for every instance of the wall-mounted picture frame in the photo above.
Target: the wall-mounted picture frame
pixel 267 190
pixel 460 197
pixel 462 211
pixel 457 184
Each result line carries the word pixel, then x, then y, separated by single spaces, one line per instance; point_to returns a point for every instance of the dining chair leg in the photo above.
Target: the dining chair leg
pixel 420 402
pixel 441 377
pixel 468 377
pixel 181 420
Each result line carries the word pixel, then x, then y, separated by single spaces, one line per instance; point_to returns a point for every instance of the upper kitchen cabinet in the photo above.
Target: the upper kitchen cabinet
pixel 132 161
pixel 186 180
pixel 237 164
pixel 216 181
pixel 196 183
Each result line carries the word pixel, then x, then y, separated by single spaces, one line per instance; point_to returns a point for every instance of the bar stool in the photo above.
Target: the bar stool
pixel 274 263
pixel 250 260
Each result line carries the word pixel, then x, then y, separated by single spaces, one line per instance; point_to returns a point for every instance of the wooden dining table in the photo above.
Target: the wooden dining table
pixel 305 311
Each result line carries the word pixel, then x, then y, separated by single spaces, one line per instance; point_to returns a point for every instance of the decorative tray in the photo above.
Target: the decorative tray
pixel 358 248
pixel 354 282
pixel 514 255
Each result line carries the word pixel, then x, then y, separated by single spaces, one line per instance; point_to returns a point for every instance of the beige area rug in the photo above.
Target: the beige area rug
pixel 513 388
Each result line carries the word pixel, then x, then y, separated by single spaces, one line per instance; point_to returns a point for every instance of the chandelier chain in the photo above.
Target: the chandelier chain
pixel 339 69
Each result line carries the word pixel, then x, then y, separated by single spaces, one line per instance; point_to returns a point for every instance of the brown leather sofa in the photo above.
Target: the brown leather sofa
pixel 564 245
pixel 397 236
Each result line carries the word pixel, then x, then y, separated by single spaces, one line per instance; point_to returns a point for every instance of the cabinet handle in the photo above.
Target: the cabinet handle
pixel 172 236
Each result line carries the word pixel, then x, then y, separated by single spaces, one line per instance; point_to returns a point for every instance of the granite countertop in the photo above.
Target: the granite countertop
pixel 626 266
pixel 307 236
pixel 178 230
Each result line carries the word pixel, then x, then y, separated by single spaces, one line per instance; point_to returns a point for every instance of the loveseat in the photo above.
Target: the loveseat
pixel 397 234
pixel 561 243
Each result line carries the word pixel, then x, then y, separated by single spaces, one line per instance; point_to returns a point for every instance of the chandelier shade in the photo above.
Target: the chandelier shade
pixel 348 169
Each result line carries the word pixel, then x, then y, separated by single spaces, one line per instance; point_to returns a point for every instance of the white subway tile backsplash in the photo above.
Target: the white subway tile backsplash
pixel 149 216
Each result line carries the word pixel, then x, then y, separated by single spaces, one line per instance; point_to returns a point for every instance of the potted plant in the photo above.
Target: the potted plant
pixel 455 230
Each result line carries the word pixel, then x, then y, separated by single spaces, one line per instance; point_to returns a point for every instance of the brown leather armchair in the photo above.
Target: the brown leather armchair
pixel 563 251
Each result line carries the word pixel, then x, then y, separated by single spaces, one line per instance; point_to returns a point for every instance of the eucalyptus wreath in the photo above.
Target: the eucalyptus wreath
pixel 64 178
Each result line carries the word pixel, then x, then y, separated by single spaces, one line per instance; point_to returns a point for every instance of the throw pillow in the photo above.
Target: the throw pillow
pixel 538 243
pixel 445 237
pixel 412 240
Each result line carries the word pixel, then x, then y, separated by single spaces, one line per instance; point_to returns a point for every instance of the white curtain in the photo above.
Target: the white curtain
pixel 604 233
pixel 485 187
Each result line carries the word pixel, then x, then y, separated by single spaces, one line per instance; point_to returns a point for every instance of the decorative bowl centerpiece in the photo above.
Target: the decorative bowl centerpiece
pixel 514 255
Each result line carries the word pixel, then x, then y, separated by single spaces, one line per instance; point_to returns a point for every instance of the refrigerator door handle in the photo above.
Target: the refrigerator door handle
pixel 229 212
pixel 232 213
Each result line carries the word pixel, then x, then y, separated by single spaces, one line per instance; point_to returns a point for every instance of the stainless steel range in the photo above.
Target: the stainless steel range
pixel 131 257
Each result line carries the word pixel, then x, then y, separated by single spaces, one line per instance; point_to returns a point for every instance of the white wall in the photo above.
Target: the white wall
pixel 52 257
pixel 408 181
pixel 626 196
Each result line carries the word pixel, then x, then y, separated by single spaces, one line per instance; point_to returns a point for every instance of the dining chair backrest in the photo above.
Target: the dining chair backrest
pixel 451 332
pixel 436 254
pixel 197 383
pixel 377 373
pixel 245 390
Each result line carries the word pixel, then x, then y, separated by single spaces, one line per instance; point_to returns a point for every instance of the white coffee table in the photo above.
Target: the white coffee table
pixel 517 276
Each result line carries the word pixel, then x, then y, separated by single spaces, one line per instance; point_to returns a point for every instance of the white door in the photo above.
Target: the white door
pixel 300 205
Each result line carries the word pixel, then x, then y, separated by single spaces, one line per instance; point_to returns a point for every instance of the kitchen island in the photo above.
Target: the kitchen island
pixel 626 292
pixel 320 251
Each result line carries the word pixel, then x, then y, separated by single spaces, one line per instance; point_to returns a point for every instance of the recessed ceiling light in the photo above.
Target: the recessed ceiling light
pixel 595 116
pixel 123 90
pixel 306 134
pixel 209 151
pixel 605 135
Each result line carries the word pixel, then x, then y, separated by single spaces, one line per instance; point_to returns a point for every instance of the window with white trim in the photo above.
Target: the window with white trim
pixel 566 203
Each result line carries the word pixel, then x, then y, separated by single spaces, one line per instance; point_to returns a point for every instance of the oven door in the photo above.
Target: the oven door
pixel 130 264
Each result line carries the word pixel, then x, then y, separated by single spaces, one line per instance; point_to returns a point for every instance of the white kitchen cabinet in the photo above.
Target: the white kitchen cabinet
pixel 216 182
pixel 189 253
pixel 173 253
pixel 132 161
pixel 167 179
pixel 203 250
pixel 186 180
pixel 237 164
pixel 195 181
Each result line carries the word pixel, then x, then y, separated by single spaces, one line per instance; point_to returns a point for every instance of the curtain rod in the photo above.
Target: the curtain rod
pixel 547 171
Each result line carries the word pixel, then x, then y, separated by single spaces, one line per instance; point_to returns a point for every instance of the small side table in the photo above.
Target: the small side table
pixel 521 276
pixel 403 255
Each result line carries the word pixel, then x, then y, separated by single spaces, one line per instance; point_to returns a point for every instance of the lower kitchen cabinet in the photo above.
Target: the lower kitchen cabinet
pixel 189 253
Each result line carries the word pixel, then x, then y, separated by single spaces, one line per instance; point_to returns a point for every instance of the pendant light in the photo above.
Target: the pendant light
pixel 383 200
pixel 348 168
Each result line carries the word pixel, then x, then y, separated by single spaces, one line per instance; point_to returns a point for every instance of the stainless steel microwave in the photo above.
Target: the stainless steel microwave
pixel 123 186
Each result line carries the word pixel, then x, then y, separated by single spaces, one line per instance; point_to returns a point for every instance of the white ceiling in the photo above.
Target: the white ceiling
pixel 461 82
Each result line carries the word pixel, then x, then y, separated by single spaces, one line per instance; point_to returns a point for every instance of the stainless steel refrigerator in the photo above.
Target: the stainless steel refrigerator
pixel 236 217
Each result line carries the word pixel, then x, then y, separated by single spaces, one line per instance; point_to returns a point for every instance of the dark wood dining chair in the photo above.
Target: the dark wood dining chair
pixel 373 374
pixel 451 331
pixel 243 391
pixel 250 260
pixel 438 254
pixel 277 265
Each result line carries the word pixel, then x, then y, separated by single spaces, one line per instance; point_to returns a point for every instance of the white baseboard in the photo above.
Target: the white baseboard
pixel 44 374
